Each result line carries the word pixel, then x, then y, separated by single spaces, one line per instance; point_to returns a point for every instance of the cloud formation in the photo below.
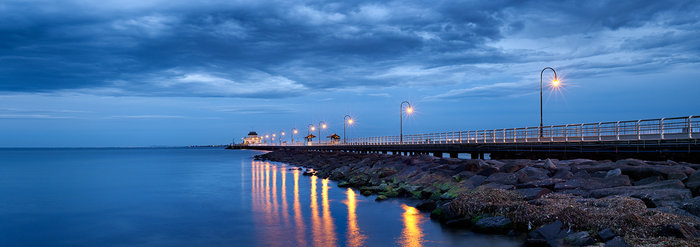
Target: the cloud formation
pixel 273 49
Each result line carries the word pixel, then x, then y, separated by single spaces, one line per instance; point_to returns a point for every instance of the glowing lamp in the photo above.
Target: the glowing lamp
pixel 409 110
pixel 350 121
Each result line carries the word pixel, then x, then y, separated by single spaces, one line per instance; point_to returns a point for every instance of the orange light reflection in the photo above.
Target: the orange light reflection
pixel 412 234
pixel 355 238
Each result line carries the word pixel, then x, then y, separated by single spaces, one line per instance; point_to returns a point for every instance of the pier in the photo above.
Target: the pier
pixel 652 139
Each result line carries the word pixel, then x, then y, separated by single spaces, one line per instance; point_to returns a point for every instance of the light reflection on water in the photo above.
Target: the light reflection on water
pixel 264 187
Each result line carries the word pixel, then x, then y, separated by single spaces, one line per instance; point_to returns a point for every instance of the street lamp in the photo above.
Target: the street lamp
pixel 294 131
pixel 281 135
pixel 266 137
pixel 554 83
pixel 346 121
pixel 320 126
pixel 308 130
pixel 409 110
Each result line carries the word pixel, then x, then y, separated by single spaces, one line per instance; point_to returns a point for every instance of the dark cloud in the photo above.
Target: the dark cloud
pixel 280 48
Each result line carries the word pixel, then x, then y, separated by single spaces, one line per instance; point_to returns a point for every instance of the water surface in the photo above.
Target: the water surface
pixel 196 197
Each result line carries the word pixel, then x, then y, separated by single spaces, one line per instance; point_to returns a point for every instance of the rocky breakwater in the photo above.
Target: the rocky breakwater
pixel 553 202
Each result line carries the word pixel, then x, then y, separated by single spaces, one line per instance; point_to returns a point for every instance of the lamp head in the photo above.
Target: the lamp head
pixel 409 110
pixel 323 126
pixel 556 83
pixel 313 127
pixel 296 131
pixel 350 121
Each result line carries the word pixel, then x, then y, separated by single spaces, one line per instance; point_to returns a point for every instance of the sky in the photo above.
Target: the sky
pixel 77 73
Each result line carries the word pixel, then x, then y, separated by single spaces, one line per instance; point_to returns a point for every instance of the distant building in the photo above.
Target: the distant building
pixel 252 138
pixel 335 138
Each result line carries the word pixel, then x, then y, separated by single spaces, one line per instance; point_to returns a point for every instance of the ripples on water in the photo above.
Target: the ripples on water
pixel 196 197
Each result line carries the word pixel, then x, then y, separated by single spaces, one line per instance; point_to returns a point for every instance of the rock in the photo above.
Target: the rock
pixel 549 165
pixel 581 174
pixel 462 222
pixel 563 173
pixel 344 184
pixel 679 176
pixel 663 193
pixel 549 234
pixel 498 186
pixel 533 193
pixel 617 242
pixel 680 231
pixel 652 179
pixel 544 183
pixel 463 175
pixel 593 183
pixel 477 180
pixel 502 178
pixel 692 206
pixel 488 171
pixel 613 173
pixel 512 167
pixel 443 214
pixel 579 239
pixel 630 162
pixel 530 173
pixel 606 234
pixel 495 225
pixel 693 182
pixel 381 198
pixel 427 205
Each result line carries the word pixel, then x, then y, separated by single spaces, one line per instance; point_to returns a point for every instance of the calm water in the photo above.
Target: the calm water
pixel 195 197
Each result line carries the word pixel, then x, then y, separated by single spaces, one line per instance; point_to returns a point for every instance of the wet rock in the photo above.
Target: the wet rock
pixel 617 242
pixel 427 206
pixel 533 193
pixel 548 164
pixel 579 239
pixel 503 178
pixel 582 174
pixel 645 181
pixel 678 176
pixel 613 173
pixel 381 198
pixel 494 225
pixel 547 235
pixel 512 167
pixel 606 234
pixel 462 222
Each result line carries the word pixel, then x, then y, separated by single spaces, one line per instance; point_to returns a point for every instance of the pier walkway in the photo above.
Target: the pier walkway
pixel 664 138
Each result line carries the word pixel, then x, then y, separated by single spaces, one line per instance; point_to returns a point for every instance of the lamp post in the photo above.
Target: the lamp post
pixel 320 126
pixel 408 110
pixel 311 128
pixel 281 135
pixel 556 83
pixel 294 131
pixel 346 121
pixel 266 137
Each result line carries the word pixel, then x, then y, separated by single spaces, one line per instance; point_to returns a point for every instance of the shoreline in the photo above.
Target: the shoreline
pixel 569 202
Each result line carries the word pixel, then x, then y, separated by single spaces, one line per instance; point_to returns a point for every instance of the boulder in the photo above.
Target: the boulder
pixel 544 183
pixel 462 222
pixel 613 173
pixel 579 239
pixel 593 183
pixel 512 167
pixel 693 181
pixel 530 173
pixel 606 234
pixel 493 225
pixel 692 206
pixel 549 234
pixel 617 242
pixel 487 171
pixel 563 173
pixel 477 180
pixel 648 180
pixel 427 205
pixel 503 178
pixel 533 193
pixel 663 193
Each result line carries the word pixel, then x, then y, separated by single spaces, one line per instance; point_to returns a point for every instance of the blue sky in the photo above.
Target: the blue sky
pixel 140 72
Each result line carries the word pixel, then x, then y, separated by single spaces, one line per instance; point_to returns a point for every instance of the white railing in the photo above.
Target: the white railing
pixel 678 128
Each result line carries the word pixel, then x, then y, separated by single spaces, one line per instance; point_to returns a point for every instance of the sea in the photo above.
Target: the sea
pixel 197 197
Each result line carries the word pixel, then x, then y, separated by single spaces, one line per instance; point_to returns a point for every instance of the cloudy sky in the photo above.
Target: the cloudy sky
pixel 152 72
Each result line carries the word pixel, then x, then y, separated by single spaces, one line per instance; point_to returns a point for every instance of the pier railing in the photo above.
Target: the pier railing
pixel 676 128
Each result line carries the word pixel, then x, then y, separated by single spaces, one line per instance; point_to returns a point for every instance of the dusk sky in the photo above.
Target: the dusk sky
pixel 144 72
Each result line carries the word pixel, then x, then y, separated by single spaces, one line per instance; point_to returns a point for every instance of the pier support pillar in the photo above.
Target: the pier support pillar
pixel 474 156
pixel 437 154
pixel 384 152
pixel 454 155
